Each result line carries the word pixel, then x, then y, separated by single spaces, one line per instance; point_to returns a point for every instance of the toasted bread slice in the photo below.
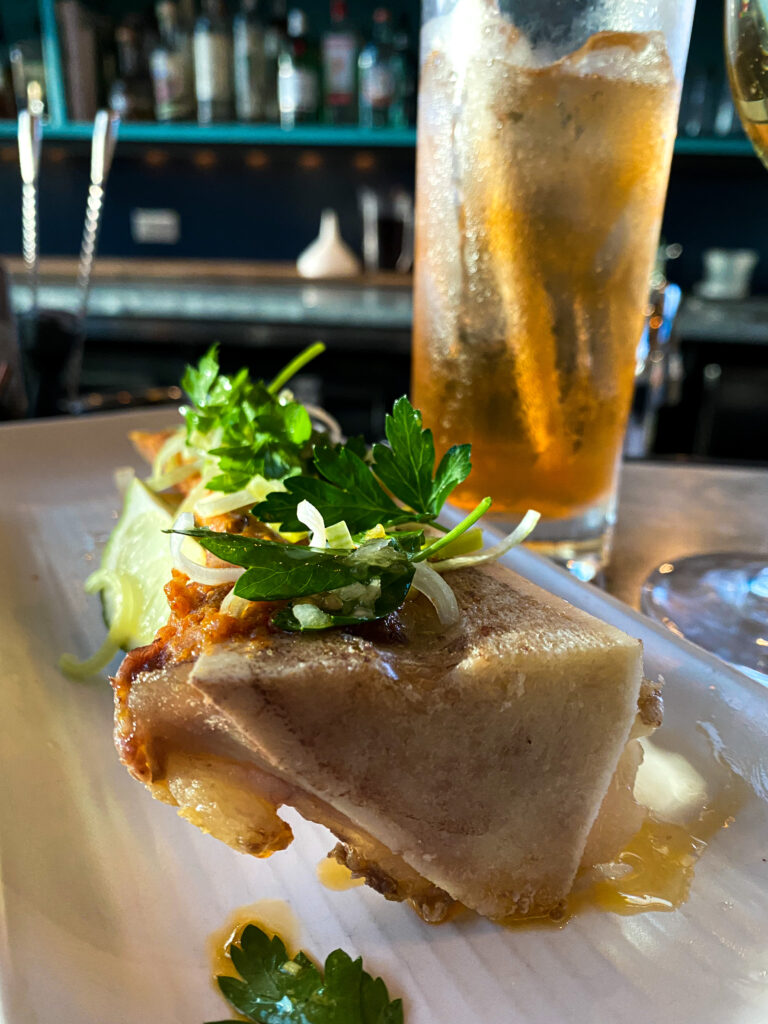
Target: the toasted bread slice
pixel 462 764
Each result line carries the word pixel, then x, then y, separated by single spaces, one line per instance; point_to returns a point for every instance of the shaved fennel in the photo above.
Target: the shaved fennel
pixel 174 476
pixel 198 573
pixel 234 605
pixel 218 503
pixel 432 585
pixel 307 514
pixel 338 536
pixel 310 616
pixel 174 445
pixel 127 601
pixel 517 536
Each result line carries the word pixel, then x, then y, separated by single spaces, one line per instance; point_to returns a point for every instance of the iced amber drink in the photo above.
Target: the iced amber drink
pixel 541 176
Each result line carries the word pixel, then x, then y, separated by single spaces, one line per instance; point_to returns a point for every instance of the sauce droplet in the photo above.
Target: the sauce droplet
pixel 336 876
pixel 655 869
pixel 653 872
pixel 274 917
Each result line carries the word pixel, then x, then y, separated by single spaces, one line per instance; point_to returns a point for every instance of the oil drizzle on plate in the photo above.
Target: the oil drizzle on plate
pixel 336 876
pixel 655 870
pixel 274 917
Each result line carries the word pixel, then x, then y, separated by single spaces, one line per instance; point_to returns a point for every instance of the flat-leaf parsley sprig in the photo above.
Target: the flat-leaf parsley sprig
pixel 250 427
pixel 367 513
pixel 346 587
pixel 274 988
pixel 339 587
pixel 349 488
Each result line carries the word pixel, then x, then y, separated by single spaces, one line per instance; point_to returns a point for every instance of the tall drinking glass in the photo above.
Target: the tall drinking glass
pixel 545 137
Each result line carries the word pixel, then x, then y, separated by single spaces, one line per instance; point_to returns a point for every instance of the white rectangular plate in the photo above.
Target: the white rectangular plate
pixel 107 898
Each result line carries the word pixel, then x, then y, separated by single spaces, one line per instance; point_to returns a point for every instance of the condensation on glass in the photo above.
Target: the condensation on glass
pixel 545 137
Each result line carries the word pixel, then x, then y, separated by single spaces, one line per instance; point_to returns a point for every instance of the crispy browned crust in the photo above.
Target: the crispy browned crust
pixel 128 740
pixel 389 875
pixel 650 704
pixel 149 442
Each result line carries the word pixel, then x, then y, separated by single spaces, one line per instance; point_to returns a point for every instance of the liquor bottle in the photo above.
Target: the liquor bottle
pixel 340 53
pixel 248 39
pixel 131 93
pixel 275 40
pixel 77 40
pixel 28 72
pixel 7 103
pixel 298 78
pixel 213 63
pixel 171 66
pixel 377 73
pixel 406 76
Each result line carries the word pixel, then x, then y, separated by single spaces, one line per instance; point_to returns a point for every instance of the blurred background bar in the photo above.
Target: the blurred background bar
pixel 243 120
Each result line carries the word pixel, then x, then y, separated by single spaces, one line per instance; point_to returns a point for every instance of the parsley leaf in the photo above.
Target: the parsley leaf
pixel 357 445
pixel 455 466
pixel 244 424
pixel 198 382
pixel 379 592
pixel 275 989
pixel 349 488
pixel 358 586
pixel 345 489
pixel 407 464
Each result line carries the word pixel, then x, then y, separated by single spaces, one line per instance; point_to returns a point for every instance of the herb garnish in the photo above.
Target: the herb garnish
pixel 274 988
pixel 373 580
pixel 247 424
pixel 350 586
pixel 407 466
pixel 363 501
pixel 349 488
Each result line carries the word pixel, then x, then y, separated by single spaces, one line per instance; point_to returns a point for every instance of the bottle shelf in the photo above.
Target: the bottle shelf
pixel 736 146
pixel 236 133
pixel 59 128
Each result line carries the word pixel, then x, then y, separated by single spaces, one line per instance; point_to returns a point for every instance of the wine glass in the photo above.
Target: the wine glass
pixel 720 601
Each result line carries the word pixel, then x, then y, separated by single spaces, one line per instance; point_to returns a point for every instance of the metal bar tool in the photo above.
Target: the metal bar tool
pixel 105 128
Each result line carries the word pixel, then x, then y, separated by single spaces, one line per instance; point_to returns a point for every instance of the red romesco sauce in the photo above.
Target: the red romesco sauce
pixel 195 620
pixel 194 623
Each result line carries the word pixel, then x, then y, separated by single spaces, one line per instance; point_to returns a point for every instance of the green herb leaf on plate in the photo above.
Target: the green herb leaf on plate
pixel 274 988
pixel 455 466
pixel 381 592
pixel 379 573
pixel 197 381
